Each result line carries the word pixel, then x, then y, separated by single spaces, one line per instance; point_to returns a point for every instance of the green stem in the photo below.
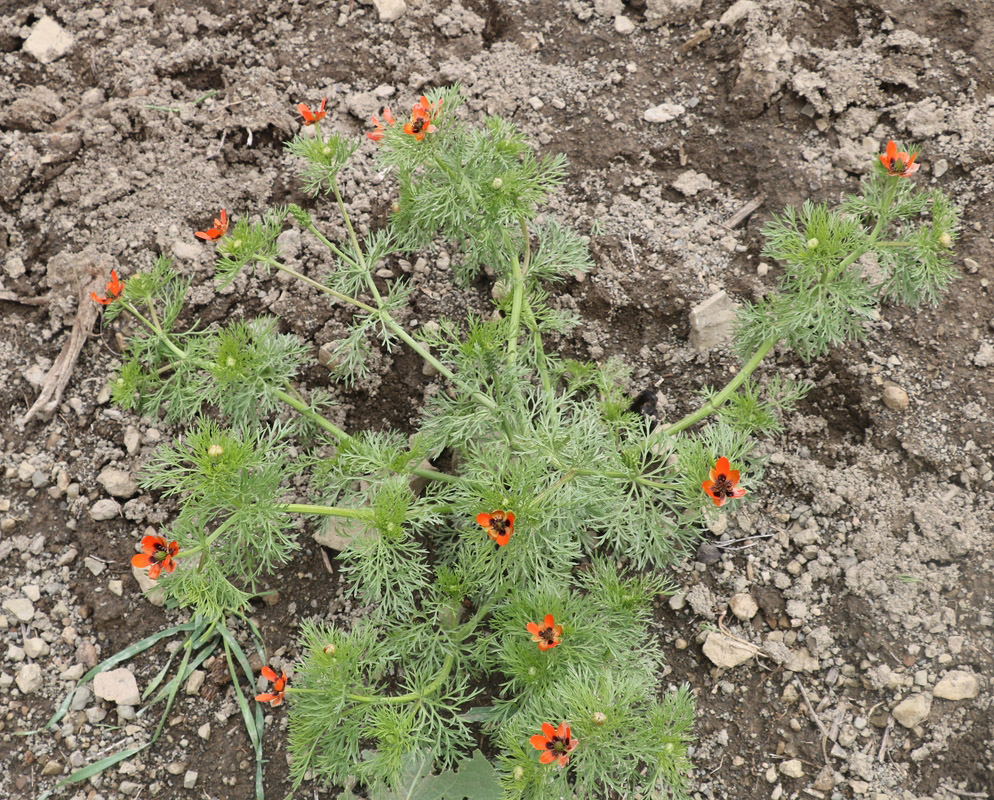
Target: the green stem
pixel 410 697
pixel 272 262
pixel 516 301
pixel 154 326
pixel 330 244
pixel 328 511
pixel 312 415
pixel 882 219
pixel 719 399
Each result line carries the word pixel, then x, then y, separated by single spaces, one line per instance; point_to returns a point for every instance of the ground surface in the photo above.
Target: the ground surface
pixel 869 545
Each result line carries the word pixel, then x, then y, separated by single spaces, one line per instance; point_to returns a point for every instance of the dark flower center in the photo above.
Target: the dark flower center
pixel 722 486
pixel 499 524
pixel 557 745
pixel 547 634
pixel 418 124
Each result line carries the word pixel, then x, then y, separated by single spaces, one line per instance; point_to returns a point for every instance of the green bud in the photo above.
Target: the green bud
pixel 497 183
pixel 215 451
pixel 599 717
pixel 812 243
pixel 518 774
pixel 945 239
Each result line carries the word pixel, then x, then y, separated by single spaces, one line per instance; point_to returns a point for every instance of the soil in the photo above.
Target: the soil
pixel 869 545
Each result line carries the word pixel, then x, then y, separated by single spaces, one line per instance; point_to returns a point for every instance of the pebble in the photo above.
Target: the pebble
pixel 895 398
pixel 743 606
pixel 48 41
pixel 689 183
pixel 738 10
pixel 129 788
pixel 711 322
pixel 664 112
pixel 36 647
pixel 105 509
pixel 204 731
pixel 132 440
pixel 52 767
pixel 20 607
pixel 28 678
pixel 175 767
pixel 623 25
pixel 118 686
pixel 389 10
pixel 956 684
pixel 725 652
pixel 32 592
pixel 118 482
pixel 190 779
pixel 913 710
pixel 195 681
pixel 81 699
pixel 94 565
pixel 940 168
pixel 792 768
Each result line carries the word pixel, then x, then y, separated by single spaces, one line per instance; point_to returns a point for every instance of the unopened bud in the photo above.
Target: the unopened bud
pixel 326 150
pixel 230 362
pixel 532 672
pixel 812 243
pixel 945 239
pixel 497 183
pixel 395 208
pixel 236 244
pixel 330 649
pixel 599 718
pixel 519 773
pixel 215 450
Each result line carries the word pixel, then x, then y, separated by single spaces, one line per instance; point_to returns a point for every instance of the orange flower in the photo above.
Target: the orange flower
pixel 498 525
pixel 899 164
pixel 422 117
pixel 555 744
pixel 114 289
pixel 310 117
pixel 157 556
pixel 274 697
pixel 547 637
pixel 377 133
pixel 722 483
pixel 220 228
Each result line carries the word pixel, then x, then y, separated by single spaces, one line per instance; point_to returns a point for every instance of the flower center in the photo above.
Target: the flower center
pixel 558 745
pixel 547 634
pixel 722 486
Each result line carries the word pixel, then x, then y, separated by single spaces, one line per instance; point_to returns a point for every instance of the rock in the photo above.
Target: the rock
pixel 678 601
pixel 608 8
pixel 670 12
pixel 711 322
pixel 195 681
pixel 132 440
pixel 48 41
pixel 190 779
pixel 940 168
pixel 985 355
pixel 204 731
pixel 725 652
pixel 825 781
pixel 895 398
pixel 175 767
pixel 956 684
pixel 708 553
pixel 801 660
pixel 154 593
pixel 118 686
pixel 737 11
pixel 184 250
pixel 118 482
pixel 28 678
pixel 623 25
pixel 105 509
pixel 743 606
pixel 35 647
pixel 95 566
pixel 792 768
pixel 95 714
pixel 52 767
pixel 20 607
pixel 389 10
pixel 690 183
pixel 913 710
pixel 664 112
pixel 337 532
pixel 86 654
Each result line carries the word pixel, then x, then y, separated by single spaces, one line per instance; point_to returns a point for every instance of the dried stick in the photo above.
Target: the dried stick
pixel 815 718
pixel 744 213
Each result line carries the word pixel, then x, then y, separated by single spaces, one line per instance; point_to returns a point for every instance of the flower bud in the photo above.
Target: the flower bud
pixel 945 239
pixel 532 672
pixel 812 243
pixel 599 717
pixel 519 773
pixel 497 183
pixel 395 208
pixel 330 649
pixel 215 450
pixel 230 362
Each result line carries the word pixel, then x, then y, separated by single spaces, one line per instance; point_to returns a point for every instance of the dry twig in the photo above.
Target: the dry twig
pixel 815 718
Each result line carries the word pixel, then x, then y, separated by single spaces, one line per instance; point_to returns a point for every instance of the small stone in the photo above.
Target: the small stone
pixel 118 482
pixel 175 767
pixel 118 686
pixel 678 601
pixel 708 553
pixel 664 112
pixel 623 25
pixel 389 10
pixel 190 779
pixel 825 781
pixel 86 654
pixel 129 788
pixel 792 768
pixel 94 565
pixel 913 710
pixel 132 440
pixel 105 509
pixel 956 684
pixel 28 678
pixel 738 10
pixel 711 322
pixel 20 607
pixel 725 652
pixel 771 775
pixel 940 168
pixel 81 699
pixel 689 183
pixel 95 714
pixel 116 587
pixel 126 712
pixel 743 606
pixel 35 647
pixel 985 355
pixel 195 681
pixel 204 731
pixel 73 673
pixel 48 41
pixel 895 398
pixel 52 767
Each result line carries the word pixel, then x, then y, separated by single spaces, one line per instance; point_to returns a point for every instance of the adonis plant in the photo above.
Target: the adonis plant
pixel 508 553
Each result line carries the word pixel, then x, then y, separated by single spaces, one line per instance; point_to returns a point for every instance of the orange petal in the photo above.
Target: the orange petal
pixel 483 519
pixel 538 742
pixel 722 466
pixel 563 732
pixel 388 116
pixel 269 673
pixel 154 570
pixel 141 560
pixel 548 730
pixel 549 620
pixel 502 539
pixel 169 565
pixel 547 757
pixel 532 628
pixel 510 517
pixel 718 501
pixel 733 476
pixel 891 151
pixel 738 492
pixel 707 487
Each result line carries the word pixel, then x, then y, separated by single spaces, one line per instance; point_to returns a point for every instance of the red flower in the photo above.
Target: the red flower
pixel 555 744
pixel 157 556
pixel 498 525
pixel 422 117
pixel 274 697
pixel 377 133
pixel 722 483
pixel 547 637
pixel 899 164
pixel 310 117
pixel 220 228
pixel 114 289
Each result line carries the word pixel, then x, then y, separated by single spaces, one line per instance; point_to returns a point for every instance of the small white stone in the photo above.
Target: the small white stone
pixel 623 25
pixel 690 183
pixel 116 587
pixel 118 482
pixel 389 10
pixel 94 565
pixel 664 112
pixel 725 652
pixel 20 607
pixel 913 710
pixel 711 322
pixel 105 509
pixel 190 779
pixel 29 678
pixel 792 768
pixel 743 606
pixel 195 681
pixel 895 398
pixel 118 686
pixel 35 647
pixel 204 731
pixel 956 684
pixel 48 41
pixel 735 12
